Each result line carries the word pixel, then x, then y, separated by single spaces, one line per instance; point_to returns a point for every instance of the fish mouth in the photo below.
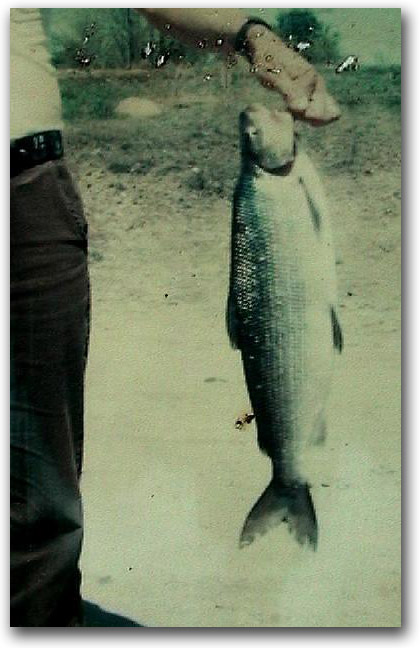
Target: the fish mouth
pixel 280 170
pixel 268 139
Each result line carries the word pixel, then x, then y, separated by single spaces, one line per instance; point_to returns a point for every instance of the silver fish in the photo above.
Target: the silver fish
pixel 282 312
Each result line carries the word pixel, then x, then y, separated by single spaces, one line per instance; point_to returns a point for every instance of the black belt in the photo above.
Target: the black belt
pixel 27 152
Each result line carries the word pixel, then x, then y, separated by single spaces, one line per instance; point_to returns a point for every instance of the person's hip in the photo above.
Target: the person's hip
pixel 45 204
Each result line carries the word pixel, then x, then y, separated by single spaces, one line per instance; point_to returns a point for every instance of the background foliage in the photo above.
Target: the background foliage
pixel 119 35
pixel 301 25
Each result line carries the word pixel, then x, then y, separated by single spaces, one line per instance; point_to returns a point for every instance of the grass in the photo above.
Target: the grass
pixel 196 142
pixel 372 85
pixel 197 145
pixel 86 96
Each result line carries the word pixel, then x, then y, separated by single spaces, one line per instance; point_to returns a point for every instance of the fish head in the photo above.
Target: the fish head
pixel 267 137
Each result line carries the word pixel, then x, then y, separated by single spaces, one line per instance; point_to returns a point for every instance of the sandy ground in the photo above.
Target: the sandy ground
pixel 168 480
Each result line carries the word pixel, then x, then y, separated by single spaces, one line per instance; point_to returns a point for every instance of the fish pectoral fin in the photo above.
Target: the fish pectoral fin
pixel 338 338
pixel 315 206
pixel 290 504
pixel 232 323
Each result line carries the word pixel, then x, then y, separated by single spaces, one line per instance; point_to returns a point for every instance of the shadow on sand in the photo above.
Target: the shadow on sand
pixel 97 617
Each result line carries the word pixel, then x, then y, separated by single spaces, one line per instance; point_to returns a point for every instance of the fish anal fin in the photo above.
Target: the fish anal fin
pixel 337 333
pixel 319 434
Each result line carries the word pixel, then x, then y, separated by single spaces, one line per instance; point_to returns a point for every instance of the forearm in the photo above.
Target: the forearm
pixel 275 65
pixel 214 29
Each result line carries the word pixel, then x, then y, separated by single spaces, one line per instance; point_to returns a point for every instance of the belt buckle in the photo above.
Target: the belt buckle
pixel 35 149
pixel 39 147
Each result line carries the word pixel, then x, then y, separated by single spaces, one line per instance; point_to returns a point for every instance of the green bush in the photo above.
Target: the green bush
pixel 117 39
pixel 89 98
pixel 301 25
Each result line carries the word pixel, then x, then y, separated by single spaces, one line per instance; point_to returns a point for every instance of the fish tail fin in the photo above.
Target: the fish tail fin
pixel 277 504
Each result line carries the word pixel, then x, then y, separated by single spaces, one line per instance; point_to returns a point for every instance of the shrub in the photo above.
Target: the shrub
pixel 116 38
pixel 87 99
pixel 301 25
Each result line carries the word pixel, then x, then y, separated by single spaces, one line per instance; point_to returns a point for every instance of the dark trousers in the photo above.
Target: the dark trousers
pixel 48 339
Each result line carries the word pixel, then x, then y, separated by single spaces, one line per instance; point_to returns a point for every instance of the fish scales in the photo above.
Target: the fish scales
pixel 269 291
pixel 280 312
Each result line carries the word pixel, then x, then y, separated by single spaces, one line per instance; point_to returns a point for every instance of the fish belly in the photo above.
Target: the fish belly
pixel 281 275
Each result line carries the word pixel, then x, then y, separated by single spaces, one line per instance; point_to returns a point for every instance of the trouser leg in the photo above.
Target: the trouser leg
pixel 49 328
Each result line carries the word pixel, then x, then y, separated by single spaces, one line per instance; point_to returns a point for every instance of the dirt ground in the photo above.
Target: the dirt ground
pixel 168 479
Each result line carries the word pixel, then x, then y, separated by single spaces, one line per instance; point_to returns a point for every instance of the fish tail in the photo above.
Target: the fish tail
pixel 280 503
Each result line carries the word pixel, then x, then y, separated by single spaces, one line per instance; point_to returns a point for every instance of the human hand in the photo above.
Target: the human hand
pixel 280 69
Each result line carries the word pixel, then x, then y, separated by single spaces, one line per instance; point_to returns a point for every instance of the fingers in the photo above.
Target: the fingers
pixel 296 92
pixel 296 101
pixel 306 97
pixel 302 88
pixel 322 108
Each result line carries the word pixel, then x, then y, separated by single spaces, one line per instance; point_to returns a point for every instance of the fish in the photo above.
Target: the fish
pixel 282 312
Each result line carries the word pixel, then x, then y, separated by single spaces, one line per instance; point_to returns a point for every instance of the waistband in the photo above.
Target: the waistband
pixel 27 152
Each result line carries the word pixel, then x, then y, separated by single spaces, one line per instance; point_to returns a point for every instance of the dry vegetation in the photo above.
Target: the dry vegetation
pixel 197 128
pixel 190 149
